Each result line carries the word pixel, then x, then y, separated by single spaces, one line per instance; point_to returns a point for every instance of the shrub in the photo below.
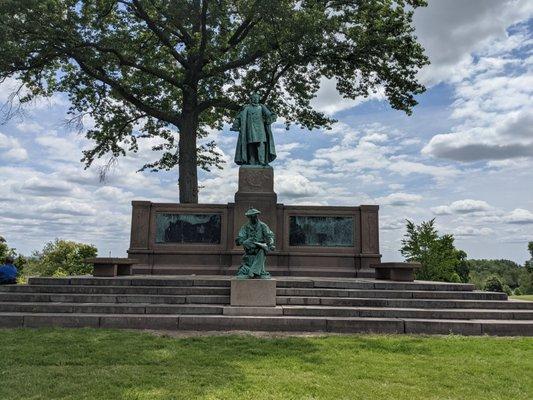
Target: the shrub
pixel 507 290
pixel 455 278
pixel 494 284
pixel 61 258
pixel 518 292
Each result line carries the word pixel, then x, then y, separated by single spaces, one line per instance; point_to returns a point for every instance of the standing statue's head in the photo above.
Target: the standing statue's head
pixel 253 215
pixel 254 98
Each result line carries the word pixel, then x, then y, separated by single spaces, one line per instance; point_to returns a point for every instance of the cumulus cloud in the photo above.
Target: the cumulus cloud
pixel 451 30
pixel 493 106
pixel 294 185
pixel 11 149
pixel 463 231
pixel 465 206
pixel 519 216
pixel 329 101
pixel 399 199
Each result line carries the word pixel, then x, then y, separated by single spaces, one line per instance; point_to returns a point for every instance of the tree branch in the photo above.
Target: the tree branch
pixel 219 103
pixel 203 29
pixel 99 74
pixel 123 60
pixel 163 37
pixel 242 62
pixel 181 32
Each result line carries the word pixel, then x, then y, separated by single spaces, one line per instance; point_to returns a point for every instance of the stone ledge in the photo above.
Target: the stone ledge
pixel 251 311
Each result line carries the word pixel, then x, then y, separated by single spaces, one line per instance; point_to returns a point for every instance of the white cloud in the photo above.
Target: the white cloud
pixel 11 149
pixel 463 231
pixel 451 30
pixel 465 206
pixel 18 154
pixel 519 216
pixel 399 199
pixel 29 127
pixel 493 110
pixel 329 101
pixel 293 185
pixel 404 167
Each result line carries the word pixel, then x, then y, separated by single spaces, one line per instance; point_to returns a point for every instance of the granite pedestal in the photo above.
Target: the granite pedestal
pixel 253 293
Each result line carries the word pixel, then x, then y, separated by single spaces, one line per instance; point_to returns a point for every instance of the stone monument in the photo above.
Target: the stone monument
pixel 171 238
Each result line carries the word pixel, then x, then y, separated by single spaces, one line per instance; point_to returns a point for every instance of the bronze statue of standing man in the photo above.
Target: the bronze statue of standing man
pixel 255 145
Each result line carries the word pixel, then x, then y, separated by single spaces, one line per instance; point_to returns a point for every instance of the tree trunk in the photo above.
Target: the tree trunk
pixel 188 170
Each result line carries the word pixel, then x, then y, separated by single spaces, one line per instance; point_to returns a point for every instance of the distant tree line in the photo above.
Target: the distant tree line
pixel 442 261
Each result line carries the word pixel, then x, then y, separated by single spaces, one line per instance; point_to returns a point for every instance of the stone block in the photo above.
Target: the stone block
pixel 63 321
pixel 167 322
pixel 443 327
pixel 203 299
pixel 253 292
pixel 48 281
pixel 365 325
pixel 507 328
pixel 184 309
pixel 396 271
pixel 251 323
pixel 258 311
pixel 11 321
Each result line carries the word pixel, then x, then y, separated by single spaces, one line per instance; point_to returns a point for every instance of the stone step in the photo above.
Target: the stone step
pixel 117 298
pixel 110 308
pixel 419 313
pixel 133 281
pixel 391 294
pixel 225 271
pixel 93 289
pixel 219 290
pixel 301 311
pixel 281 323
pixel 403 303
pixel 288 282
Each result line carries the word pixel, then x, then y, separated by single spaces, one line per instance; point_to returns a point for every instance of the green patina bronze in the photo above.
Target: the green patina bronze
pixel 255 145
pixel 257 239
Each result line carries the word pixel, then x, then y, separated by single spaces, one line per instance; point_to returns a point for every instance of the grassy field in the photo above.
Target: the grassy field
pixel 103 364
pixel 528 297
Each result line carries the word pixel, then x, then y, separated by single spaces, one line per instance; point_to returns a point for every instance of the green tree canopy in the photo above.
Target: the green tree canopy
pixel 529 263
pixel 149 68
pixel 60 258
pixel 440 260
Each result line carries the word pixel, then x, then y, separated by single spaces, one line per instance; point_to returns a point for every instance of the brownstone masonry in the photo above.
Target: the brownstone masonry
pixel 169 238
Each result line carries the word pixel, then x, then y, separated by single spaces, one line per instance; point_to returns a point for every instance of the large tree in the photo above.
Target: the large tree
pixel 174 68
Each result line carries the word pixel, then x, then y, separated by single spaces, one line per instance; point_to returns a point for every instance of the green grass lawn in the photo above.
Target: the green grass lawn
pixel 104 364
pixel 528 297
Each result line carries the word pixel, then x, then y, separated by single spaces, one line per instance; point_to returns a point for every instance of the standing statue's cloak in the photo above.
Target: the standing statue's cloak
pixel 241 152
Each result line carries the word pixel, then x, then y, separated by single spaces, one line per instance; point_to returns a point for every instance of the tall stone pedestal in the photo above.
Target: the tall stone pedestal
pixel 256 189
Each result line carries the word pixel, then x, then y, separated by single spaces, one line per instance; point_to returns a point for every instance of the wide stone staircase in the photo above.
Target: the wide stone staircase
pixel 305 304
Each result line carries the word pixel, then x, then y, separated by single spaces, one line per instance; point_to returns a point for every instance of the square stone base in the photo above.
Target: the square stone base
pixel 253 293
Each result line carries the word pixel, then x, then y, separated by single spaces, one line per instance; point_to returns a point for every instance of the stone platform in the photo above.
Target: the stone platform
pixel 303 305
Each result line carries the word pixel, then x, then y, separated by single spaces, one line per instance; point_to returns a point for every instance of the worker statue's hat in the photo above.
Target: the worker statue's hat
pixel 252 211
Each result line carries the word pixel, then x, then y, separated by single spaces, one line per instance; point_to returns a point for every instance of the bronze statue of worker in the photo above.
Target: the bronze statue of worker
pixel 257 240
pixel 255 145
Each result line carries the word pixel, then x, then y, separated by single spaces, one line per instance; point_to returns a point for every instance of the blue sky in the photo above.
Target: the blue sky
pixel 465 156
